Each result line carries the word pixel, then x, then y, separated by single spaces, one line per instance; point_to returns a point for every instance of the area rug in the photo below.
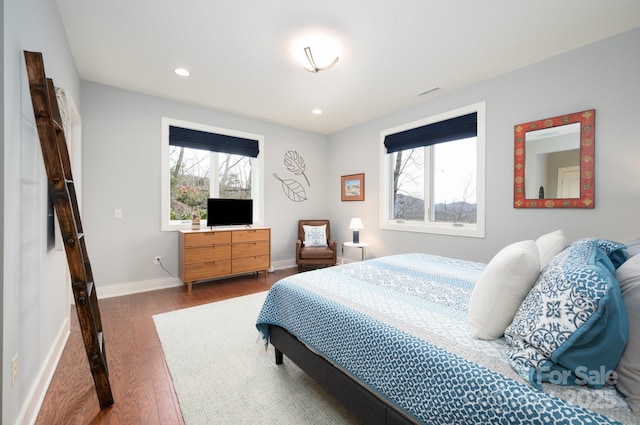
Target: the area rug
pixel 222 373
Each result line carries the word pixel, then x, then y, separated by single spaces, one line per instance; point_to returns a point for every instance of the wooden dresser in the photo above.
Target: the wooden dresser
pixel 208 254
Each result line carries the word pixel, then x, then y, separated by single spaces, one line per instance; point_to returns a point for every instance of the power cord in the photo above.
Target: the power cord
pixel 163 268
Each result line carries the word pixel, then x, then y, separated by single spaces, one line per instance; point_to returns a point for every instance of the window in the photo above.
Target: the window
pixel 189 154
pixel 433 174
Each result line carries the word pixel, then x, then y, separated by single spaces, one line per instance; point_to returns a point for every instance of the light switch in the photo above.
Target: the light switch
pixel 117 213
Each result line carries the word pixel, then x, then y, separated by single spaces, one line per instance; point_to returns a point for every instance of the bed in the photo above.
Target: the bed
pixel 389 338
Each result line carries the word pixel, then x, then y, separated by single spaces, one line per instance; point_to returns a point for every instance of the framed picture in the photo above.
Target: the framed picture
pixel 353 187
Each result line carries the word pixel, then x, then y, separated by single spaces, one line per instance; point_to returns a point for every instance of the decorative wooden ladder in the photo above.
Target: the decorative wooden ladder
pixel 63 194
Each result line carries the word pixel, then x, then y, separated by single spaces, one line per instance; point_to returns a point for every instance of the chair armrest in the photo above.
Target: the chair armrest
pixel 298 247
pixel 333 245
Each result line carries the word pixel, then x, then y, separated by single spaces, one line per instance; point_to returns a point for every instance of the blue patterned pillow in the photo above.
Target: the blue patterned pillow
pixel 571 328
pixel 616 251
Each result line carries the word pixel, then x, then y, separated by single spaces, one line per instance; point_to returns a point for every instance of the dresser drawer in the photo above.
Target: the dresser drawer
pixel 250 249
pixel 250 235
pixel 206 238
pixel 207 253
pixel 251 264
pixel 207 270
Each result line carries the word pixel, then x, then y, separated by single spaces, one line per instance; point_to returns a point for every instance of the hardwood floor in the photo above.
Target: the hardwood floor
pixel 140 382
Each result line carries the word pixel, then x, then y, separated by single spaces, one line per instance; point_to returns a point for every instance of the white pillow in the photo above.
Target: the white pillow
pixel 633 247
pixel 549 245
pixel 501 288
pixel 315 235
pixel 628 369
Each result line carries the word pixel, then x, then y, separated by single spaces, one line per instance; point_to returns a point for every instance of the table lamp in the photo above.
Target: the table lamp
pixel 356 226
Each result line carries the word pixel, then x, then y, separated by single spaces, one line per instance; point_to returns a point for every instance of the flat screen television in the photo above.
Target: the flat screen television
pixel 227 212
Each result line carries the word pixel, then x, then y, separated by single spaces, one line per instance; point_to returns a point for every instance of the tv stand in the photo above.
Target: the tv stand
pixel 208 254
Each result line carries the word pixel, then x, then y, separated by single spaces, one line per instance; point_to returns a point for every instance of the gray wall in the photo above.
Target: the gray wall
pixel 35 295
pixel 603 76
pixel 121 159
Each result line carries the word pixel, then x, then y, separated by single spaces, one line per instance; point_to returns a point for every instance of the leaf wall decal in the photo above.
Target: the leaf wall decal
pixel 295 163
pixel 292 189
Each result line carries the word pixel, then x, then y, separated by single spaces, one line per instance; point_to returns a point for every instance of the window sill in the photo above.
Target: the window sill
pixel 465 230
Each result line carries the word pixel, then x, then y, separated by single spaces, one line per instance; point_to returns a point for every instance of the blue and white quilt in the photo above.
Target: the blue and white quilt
pixel 398 325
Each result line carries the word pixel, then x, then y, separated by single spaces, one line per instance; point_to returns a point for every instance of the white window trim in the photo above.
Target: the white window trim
pixel 475 230
pixel 257 183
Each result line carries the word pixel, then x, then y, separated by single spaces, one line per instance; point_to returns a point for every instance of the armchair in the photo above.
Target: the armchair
pixel 319 249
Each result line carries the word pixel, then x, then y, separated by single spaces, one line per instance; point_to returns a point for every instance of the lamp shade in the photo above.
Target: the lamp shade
pixel 356 224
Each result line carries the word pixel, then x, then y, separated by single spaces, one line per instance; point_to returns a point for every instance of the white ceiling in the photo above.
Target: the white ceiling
pixel 238 51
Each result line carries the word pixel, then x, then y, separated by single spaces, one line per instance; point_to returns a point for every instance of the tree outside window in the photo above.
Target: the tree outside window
pixel 451 196
pixel 191 183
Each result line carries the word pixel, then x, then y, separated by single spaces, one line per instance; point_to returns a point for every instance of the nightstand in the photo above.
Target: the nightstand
pixel 362 245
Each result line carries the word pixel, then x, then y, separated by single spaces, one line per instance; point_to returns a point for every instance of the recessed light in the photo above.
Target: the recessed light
pixel 182 72
pixel 316 111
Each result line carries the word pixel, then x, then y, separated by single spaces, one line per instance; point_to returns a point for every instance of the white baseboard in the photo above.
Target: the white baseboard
pixel 31 408
pixel 285 264
pixel 120 289
pixel 128 288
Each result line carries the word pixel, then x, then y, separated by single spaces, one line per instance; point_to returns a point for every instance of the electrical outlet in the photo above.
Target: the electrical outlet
pixel 14 370
pixel 157 260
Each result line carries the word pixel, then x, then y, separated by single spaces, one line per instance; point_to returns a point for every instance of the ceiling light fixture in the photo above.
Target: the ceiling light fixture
pixel 182 72
pixel 315 68
pixel 316 111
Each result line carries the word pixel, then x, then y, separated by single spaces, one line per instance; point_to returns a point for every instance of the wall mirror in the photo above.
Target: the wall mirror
pixel 554 162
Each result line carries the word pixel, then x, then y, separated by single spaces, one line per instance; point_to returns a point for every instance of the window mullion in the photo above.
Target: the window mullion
pixel 428 184
pixel 391 184
pixel 214 178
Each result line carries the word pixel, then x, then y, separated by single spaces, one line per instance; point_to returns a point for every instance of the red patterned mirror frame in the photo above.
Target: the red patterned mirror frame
pixel 587 156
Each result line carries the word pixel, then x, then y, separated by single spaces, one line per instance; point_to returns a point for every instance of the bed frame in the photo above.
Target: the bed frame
pixel 360 401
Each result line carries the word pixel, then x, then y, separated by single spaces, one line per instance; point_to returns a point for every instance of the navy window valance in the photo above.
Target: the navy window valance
pixel 461 127
pixel 196 139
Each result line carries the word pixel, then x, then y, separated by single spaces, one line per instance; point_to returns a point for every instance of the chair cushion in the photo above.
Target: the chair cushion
pixel 316 253
pixel 315 235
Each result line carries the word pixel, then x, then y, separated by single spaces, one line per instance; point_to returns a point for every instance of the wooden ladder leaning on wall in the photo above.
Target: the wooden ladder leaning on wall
pixel 63 194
